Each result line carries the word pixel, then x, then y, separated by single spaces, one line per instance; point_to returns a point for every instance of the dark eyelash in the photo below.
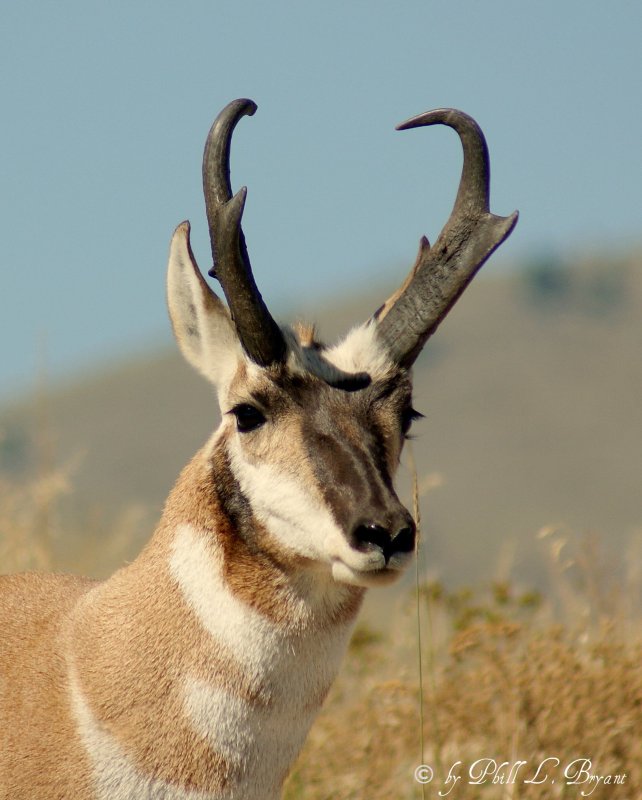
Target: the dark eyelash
pixel 408 416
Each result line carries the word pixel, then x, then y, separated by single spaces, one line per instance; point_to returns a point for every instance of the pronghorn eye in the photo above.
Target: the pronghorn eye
pixel 247 417
pixel 408 416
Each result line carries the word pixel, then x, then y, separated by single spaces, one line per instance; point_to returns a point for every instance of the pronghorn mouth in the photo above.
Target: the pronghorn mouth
pixel 373 574
pixel 342 573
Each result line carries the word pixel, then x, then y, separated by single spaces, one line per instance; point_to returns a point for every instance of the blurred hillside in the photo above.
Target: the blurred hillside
pixel 532 394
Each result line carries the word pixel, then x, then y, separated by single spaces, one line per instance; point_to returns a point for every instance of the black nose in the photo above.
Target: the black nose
pixel 370 535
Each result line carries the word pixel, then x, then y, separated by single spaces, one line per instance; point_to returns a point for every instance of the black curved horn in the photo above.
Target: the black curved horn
pixel 260 336
pixel 469 237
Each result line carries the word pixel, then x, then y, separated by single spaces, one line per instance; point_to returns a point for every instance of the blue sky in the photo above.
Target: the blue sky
pixel 106 108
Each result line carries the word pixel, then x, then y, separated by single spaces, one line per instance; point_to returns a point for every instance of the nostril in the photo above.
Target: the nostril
pixel 404 541
pixel 369 537
pixel 371 534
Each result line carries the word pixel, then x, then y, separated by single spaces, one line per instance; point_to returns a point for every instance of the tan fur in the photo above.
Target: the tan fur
pixel 34 712
pixel 305 333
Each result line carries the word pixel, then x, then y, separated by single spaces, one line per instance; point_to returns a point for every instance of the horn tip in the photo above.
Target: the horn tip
pixel 439 116
pixel 512 220
pixel 249 106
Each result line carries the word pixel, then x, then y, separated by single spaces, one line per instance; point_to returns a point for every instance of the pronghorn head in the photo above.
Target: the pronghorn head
pixel 311 434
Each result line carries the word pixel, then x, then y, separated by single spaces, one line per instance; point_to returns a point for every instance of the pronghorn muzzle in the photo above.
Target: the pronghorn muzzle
pixel 376 549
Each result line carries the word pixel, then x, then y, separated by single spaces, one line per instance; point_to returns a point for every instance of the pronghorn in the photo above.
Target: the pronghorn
pixel 196 671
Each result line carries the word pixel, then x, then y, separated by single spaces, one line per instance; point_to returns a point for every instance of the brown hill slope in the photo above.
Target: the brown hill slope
pixel 532 394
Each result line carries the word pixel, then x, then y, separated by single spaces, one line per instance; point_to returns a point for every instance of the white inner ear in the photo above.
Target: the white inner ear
pixel 202 325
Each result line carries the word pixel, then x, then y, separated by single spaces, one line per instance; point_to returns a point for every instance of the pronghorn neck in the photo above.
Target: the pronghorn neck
pixel 245 648
pixel 208 502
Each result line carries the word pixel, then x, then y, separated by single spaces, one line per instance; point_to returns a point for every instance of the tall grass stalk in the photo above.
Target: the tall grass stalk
pixel 416 512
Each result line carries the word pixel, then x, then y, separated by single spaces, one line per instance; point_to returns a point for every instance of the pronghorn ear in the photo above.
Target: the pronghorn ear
pixel 202 325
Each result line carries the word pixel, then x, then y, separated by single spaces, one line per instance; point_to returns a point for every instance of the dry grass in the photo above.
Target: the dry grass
pixel 33 536
pixel 503 692
pixel 28 524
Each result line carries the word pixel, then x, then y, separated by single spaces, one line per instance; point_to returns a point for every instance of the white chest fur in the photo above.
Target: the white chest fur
pixel 287 668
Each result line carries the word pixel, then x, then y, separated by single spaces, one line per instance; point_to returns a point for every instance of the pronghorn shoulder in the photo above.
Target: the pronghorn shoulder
pixel 33 597
pixel 32 607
